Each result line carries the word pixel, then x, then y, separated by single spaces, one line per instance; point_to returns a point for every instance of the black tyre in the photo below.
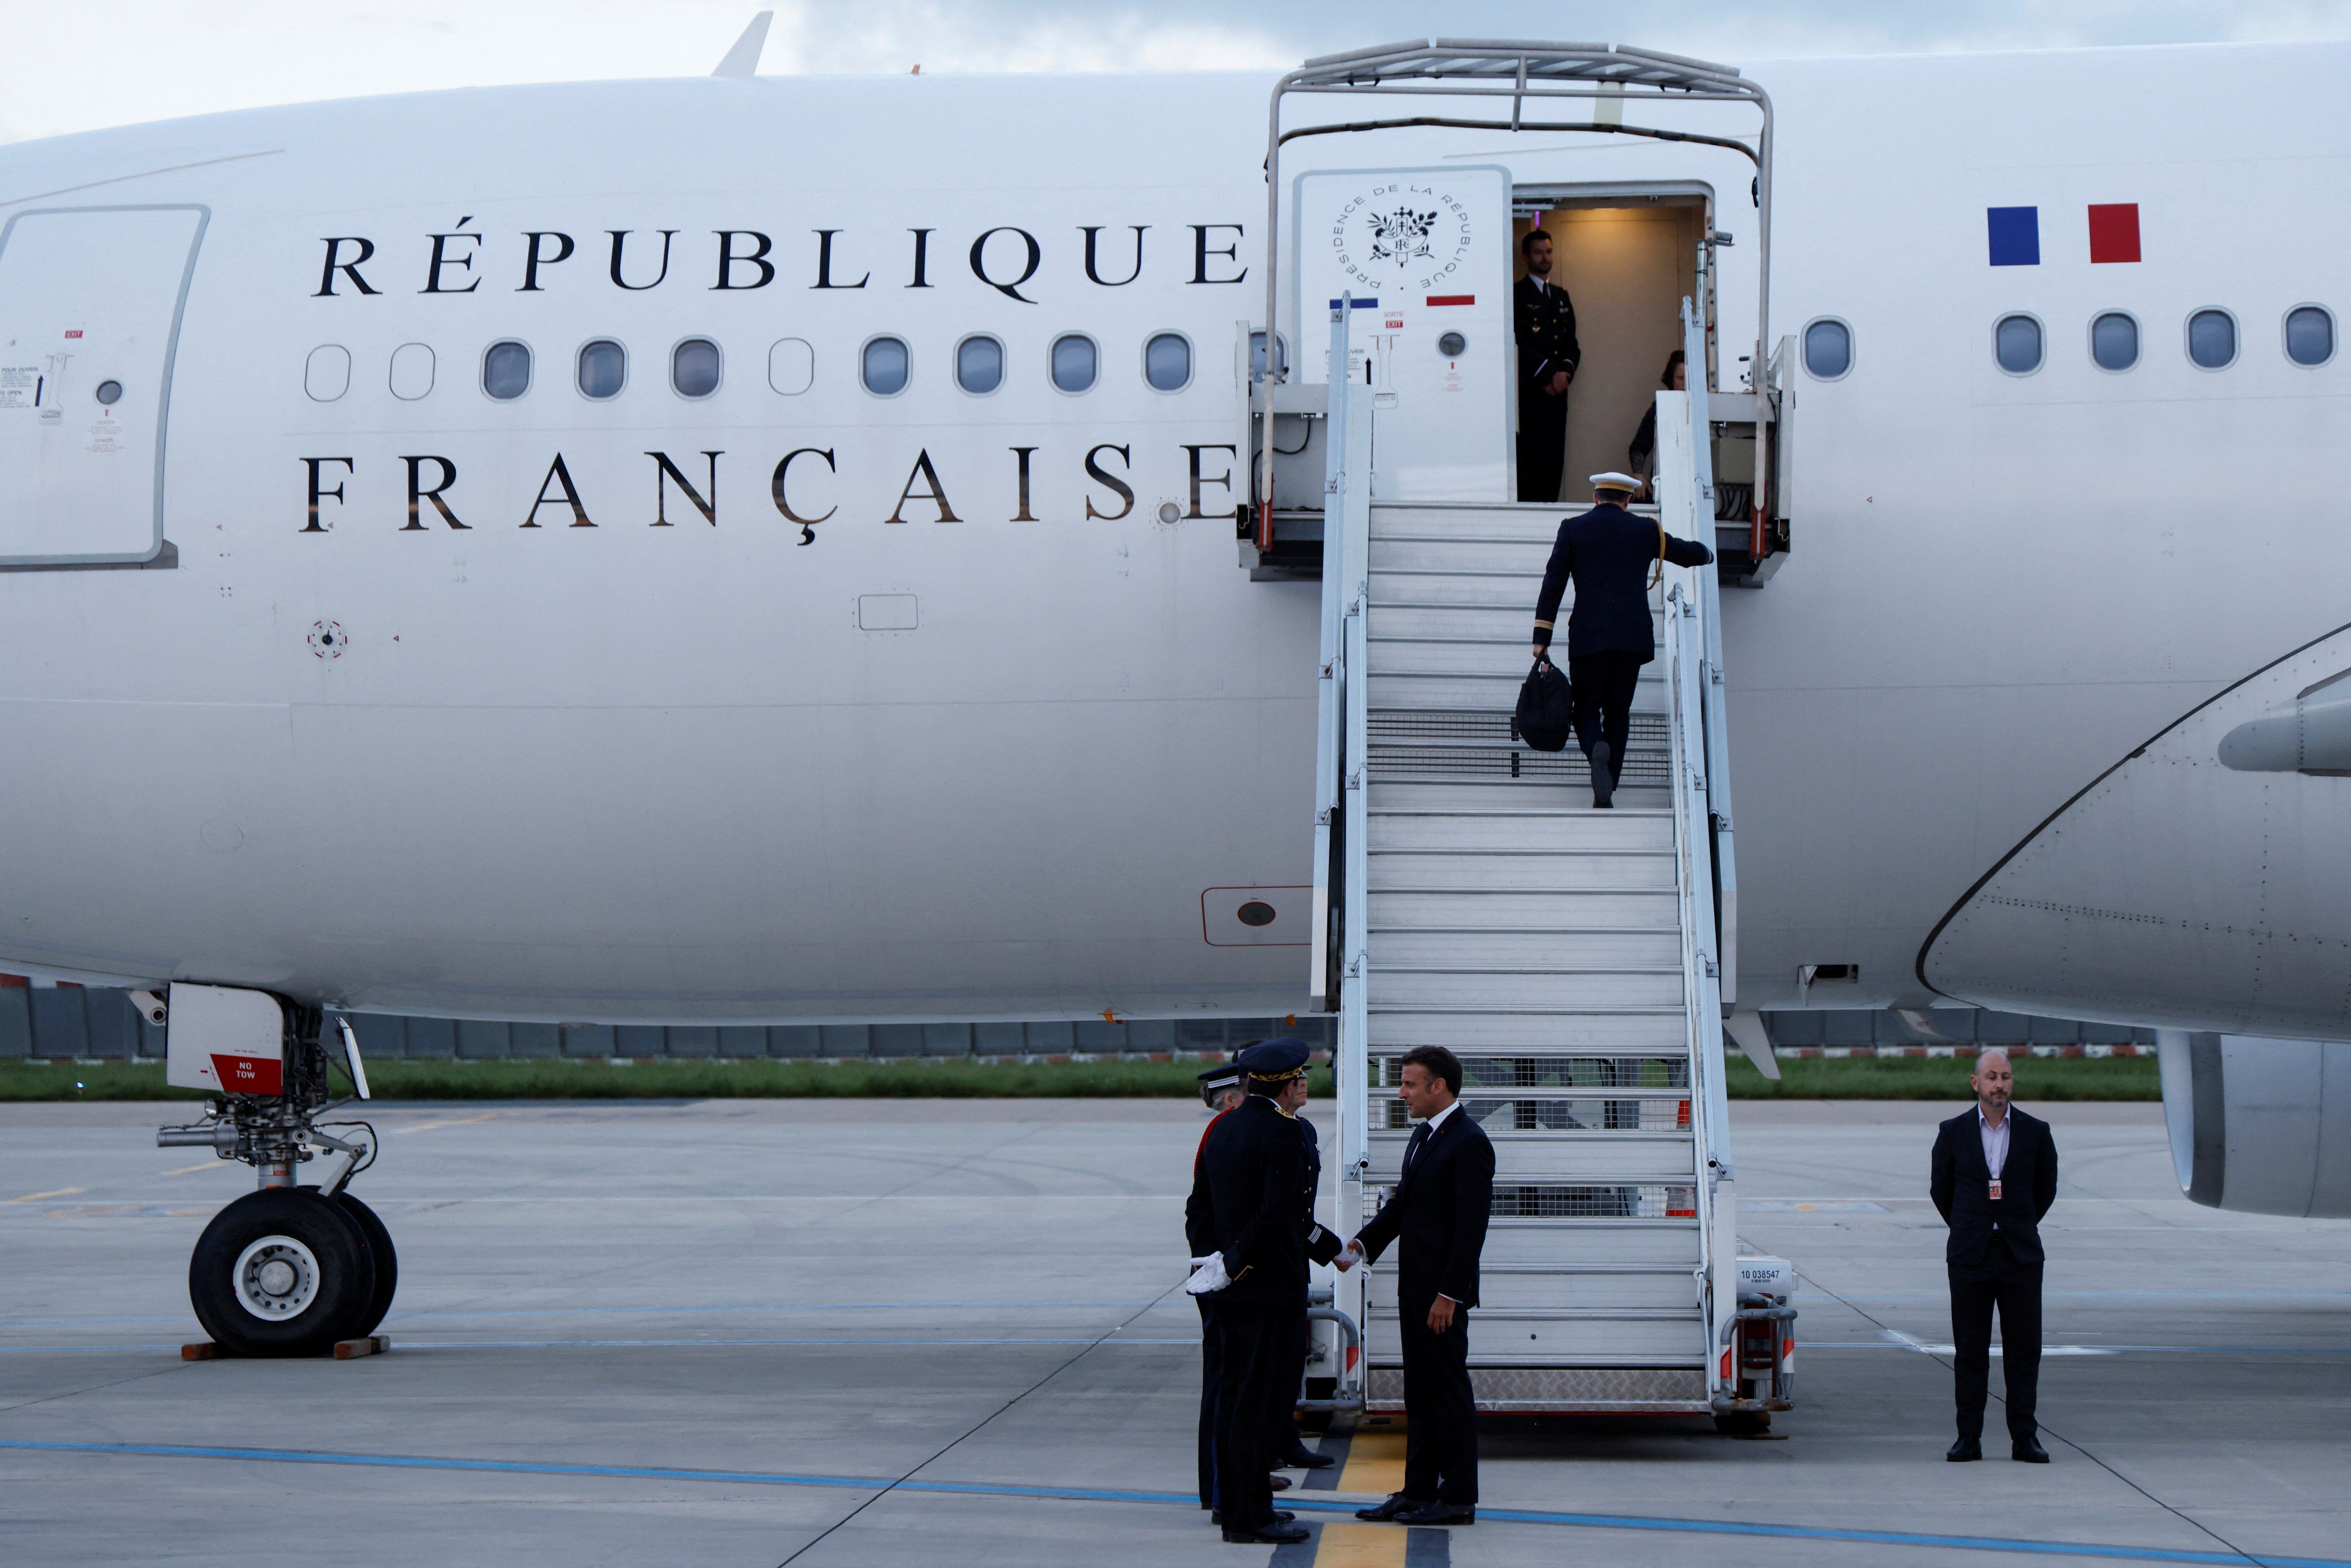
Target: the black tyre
pixel 1743 1423
pixel 386 1260
pixel 280 1272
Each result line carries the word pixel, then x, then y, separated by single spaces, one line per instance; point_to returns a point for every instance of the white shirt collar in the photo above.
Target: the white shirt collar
pixel 1438 1120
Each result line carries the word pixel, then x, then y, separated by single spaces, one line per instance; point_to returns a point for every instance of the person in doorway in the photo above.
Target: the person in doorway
pixel 1547 353
pixel 1438 1209
pixel 1608 553
pixel 1642 455
pixel 1993 1178
pixel 1254 1165
pixel 1220 1091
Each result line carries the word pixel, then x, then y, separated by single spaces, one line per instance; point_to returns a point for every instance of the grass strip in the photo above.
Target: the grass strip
pixel 1801 1078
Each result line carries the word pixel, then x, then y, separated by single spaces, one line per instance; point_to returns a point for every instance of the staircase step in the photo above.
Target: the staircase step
pixel 1565 915
pixel 1434 870
pixel 1526 952
pixel 1551 1340
pixel 1504 793
pixel 1458 987
pixel 1524 828
pixel 1655 1030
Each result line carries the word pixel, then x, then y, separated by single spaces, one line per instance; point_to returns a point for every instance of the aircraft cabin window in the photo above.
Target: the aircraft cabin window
pixel 791 366
pixel 412 371
pixel 885 366
pixel 327 375
pixel 109 393
pixel 980 365
pixel 1828 349
pixel 603 369
pixel 2016 344
pixel 2114 341
pixel 506 370
pixel 694 367
pixel 2310 334
pixel 1168 361
pixel 2213 339
pixel 1074 361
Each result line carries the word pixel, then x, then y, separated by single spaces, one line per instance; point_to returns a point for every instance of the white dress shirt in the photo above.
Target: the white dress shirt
pixel 1995 1144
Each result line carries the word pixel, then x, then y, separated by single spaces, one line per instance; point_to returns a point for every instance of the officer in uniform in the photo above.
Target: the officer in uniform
pixel 1254 1170
pixel 1322 1246
pixel 1220 1091
pixel 1609 553
pixel 1547 353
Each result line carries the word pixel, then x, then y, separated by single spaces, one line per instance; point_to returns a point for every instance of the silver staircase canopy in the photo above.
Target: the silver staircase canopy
pixel 1527 68
pixel 1468 894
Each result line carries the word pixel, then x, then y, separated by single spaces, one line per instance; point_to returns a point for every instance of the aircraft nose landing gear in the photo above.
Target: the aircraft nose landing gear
pixel 285 1269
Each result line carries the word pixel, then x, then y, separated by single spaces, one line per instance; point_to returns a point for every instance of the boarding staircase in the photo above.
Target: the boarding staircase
pixel 1469 896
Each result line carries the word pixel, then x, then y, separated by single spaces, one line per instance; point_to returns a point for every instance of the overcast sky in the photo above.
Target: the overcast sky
pixel 90 63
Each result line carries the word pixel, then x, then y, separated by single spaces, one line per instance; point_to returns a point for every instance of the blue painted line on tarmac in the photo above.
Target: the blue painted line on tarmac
pixel 616 1311
pixel 1990 1543
pixel 407 1344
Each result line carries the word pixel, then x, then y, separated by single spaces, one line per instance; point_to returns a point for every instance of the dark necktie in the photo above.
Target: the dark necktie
pixel 1412 1150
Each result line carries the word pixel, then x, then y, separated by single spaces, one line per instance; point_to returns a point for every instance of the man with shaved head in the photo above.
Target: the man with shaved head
pixel 1995 1175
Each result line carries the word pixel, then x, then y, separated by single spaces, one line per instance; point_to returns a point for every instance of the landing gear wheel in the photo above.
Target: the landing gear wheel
pixel 386 1260
pixel 280 1272
pixel 1743 1423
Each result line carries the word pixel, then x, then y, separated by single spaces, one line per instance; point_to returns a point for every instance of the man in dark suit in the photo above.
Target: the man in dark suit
pixel 1544 319
pixel 1608 552
pixel 1220 1091
pixel 1438 1208
pixel 1994 1176
pixel 1254 1166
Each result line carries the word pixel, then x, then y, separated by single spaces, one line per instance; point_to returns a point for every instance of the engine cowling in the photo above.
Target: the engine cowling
pixel 2258 1125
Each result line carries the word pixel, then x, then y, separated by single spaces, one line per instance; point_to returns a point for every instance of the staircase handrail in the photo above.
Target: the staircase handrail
pixel 1715 715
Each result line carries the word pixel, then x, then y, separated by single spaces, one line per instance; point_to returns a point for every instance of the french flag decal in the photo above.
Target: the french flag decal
pixel 2114 231
pixel 2015 236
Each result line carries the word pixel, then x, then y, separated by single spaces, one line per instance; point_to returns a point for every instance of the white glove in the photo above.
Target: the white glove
pixel 1207 1275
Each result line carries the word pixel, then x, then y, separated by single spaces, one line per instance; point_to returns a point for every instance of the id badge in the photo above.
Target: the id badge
pixel 1995 1189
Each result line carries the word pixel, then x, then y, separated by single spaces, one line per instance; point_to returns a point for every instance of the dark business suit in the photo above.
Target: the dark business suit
pixel 1199 1239
pixel 1544 319
pixel 1254 1165
pixel 1994 1259
pixel 1609 554
pixel 1438 1209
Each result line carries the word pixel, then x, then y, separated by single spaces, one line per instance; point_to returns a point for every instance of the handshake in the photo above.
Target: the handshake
pixel 1208 1275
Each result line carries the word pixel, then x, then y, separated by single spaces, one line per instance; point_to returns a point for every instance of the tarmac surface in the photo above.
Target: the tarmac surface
pixel 950 1332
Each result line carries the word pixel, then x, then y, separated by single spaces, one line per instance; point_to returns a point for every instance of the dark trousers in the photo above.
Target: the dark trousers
pixel 1440 1441
pixel 1542 443
pixel 1604 684
pixel 1211 1353
pixel 2005 1280
pixel 1251 1351
pixel 1283 1435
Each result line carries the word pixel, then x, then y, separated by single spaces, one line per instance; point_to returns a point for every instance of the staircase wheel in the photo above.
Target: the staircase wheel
pixel 280 1272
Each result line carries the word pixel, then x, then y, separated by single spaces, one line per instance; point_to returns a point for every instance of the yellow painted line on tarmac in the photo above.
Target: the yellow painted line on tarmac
pixel 207 1165
pixel 1347 1543
pixel 449 1122
pixel 37 1197
pixel 1376 1464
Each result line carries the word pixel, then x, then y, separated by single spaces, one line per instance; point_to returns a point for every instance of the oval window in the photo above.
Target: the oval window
pixel 885 367
pixel 109 393
pixel 1451 344
pixel 603 369
pixel 980 365
pixel 791 366
pixel 327 375
pixel 2016 344
pixel 2114 341
pixel 1255 913
pixel 1073 362
pixel 694 367
pixel 506 371
pixel 1828 349
pixel 412 371
pixel 1168 361
pixel 2211 339
pixel 2309 335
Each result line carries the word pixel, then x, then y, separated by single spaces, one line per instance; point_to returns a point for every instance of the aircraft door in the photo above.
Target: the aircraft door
pixel 89 319
pixel 1426 256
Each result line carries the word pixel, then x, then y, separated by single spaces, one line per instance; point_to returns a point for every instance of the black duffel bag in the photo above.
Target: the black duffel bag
pixel 1546 717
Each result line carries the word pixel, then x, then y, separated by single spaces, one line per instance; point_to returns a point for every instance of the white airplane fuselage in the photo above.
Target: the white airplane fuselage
pixel 976 742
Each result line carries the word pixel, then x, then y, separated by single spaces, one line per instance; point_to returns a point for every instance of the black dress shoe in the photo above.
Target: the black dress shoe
pixel 1272 1532
pixel 1216 1515
pixel 1603 779
pixel 1278 1483
pixel 2028 1451
pixel 1966 1448
pixel 1308 1459
pixel 1438 1513
pixel 1397 1503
